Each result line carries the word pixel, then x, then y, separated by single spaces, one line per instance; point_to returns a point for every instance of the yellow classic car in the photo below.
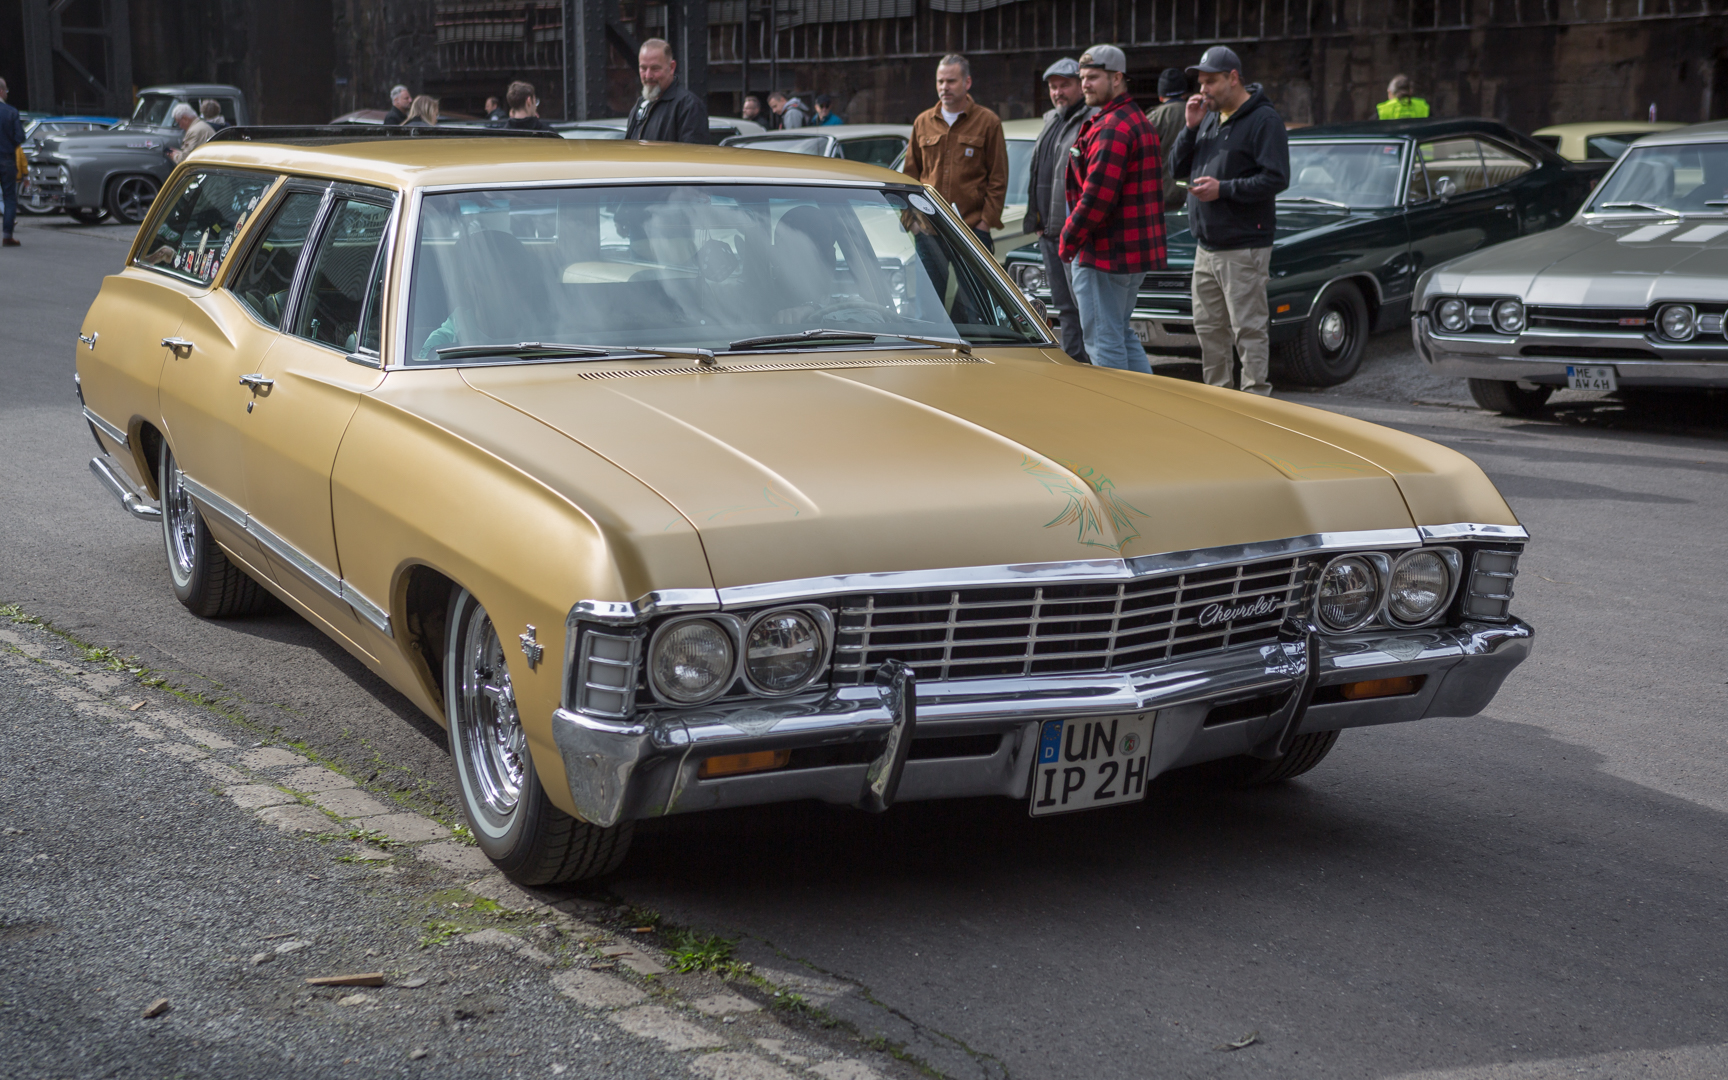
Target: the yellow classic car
pixel 675 478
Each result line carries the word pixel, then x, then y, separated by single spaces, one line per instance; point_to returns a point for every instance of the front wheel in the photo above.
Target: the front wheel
pixel 517 827
pixel 129 198
pixel 1508 398
pixel 204 578
pixel 1328 348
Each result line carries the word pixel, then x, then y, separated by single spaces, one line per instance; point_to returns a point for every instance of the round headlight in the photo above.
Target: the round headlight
pixel 1453 315
pixel 783 651
pixel 1508 316
pixel 1678 321
pixel 691 661
pixel 1421 582
pixel 1029 276
pixel 1349 593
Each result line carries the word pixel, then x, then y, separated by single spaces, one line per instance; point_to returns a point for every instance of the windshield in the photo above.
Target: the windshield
pixel 152 110
pixel 1684 178
pixel 696 266
pixel 814 144
pixel 1353 173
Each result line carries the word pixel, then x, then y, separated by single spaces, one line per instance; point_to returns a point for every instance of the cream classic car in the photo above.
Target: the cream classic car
pixel 675 478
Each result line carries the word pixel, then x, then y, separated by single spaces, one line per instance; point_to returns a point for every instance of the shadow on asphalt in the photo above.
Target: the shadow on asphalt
pixel 1411 882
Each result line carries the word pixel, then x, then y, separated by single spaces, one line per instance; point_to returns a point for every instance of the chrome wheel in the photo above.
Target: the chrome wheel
pixel 1334 331
pixel 489 733
pixel 179 524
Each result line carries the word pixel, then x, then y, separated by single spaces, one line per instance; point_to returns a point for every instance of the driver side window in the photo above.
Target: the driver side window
pixel 341 274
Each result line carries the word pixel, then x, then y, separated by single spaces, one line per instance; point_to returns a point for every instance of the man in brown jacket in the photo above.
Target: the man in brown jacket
pixel 957 148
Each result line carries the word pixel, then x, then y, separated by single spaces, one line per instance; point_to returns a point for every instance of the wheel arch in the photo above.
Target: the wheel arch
pixel 422 596
pixel 146 445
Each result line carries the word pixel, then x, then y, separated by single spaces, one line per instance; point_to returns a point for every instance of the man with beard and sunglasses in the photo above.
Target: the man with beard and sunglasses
pixel 668 111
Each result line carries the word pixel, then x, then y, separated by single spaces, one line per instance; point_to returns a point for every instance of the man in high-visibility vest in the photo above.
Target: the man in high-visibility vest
pixel 1401 101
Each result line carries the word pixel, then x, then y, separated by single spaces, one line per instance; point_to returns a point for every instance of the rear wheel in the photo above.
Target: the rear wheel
pixel 517 827
pixel 1246 771
pixel 129 198
pixel 1508 398
pixel 86 215
pixel 1328 348
pixel 204 578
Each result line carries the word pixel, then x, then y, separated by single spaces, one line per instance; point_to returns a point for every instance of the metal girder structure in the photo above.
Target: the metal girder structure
pixel 593 28
pixel 45 34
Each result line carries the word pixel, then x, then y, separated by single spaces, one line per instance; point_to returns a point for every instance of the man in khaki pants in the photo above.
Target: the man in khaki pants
pixel 1236 153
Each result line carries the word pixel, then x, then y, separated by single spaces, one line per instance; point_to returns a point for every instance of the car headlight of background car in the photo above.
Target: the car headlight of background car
pixel 1453 315
pixel 1030 277
pixel 1509 316
pixel 1678 322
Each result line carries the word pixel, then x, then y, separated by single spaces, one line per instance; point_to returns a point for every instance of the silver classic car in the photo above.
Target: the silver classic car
pixel 1632 292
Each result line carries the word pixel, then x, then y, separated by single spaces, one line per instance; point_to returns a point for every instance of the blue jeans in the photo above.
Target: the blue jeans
pixel 9 195
pixel 1106 303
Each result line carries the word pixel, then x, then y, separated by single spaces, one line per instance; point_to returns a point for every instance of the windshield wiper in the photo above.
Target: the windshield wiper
pixel 1642 206
pixel 1316 199
pixel 958 345
pixel 543 350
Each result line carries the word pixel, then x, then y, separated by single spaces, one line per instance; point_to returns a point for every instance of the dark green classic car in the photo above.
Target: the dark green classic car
pixel 1370 206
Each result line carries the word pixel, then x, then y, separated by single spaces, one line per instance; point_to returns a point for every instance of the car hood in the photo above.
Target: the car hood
pixel 1293 225
pixel 860 469
pixel 141 139
pixel 1599 265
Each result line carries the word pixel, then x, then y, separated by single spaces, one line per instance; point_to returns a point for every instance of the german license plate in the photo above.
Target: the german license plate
pixel 1091 762
pixel 1594 377
pixel 1142 330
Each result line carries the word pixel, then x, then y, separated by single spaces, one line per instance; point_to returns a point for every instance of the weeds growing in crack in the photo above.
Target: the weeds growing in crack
pixel 687 951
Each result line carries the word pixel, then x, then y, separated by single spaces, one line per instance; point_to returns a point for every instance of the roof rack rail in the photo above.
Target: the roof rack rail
pixel 362 132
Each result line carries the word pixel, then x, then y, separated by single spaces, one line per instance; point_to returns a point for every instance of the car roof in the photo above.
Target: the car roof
pixel 1586 128
pixel 404 163
pixel 839 131
pixel 1425 128
pixel 1715 131
pixel 1022 129
pixel 189 89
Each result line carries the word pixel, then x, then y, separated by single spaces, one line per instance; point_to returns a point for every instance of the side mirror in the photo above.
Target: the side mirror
pixel 1043 312
pixel 1445 188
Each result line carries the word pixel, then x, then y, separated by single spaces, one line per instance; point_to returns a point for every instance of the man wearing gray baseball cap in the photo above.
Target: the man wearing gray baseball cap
pixel 1049 209
pixel 1235 151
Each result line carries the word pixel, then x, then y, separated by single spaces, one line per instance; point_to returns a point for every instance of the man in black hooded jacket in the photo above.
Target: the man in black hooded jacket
pixel 668 111
pixel 1236 156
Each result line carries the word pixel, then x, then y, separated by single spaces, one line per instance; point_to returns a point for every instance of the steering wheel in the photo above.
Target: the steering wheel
pixel 851 310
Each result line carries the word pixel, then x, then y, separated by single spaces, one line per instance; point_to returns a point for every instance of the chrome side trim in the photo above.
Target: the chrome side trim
pixel 106 428
pixel 1471 531
pixel 215 502
pixel 646 606
pixel 330 584
pixel 135 502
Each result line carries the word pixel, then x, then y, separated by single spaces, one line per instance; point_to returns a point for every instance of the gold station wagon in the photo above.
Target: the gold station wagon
pixel 675 478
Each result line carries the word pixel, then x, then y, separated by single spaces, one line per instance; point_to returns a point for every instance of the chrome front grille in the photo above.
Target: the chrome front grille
pixel 991 632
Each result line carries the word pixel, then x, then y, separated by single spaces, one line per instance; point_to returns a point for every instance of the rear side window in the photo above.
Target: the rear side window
pixel 342 270
pixel 262 283
pixel 194 237
pixel 1458 160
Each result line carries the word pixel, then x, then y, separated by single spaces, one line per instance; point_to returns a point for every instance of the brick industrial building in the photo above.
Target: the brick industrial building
pixel 1528 62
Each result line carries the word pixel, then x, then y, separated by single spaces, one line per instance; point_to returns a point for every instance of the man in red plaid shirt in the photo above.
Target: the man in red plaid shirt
pixel 1115 229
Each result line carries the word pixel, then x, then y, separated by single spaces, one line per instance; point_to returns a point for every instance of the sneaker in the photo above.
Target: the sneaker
pixel 9 242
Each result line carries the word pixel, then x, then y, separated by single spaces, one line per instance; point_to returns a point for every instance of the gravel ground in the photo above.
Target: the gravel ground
pixel 126 951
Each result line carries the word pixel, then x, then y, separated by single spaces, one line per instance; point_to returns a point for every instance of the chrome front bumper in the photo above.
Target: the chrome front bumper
pixel 647 767
pixel 1500 357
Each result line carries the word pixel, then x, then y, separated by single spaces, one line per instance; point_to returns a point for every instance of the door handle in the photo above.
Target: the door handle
pixel 178 344
pixel 89 342
pixel 257 382
pixel 1507 206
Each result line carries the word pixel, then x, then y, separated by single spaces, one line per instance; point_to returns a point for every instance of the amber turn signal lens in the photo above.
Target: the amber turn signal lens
pixel 1373 688
pixel 734 764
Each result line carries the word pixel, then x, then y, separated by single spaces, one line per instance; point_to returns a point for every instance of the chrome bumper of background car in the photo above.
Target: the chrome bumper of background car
pixel 1493 356
pixel 647 766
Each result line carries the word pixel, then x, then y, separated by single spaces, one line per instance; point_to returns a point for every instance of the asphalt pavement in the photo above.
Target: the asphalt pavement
pixel 1537 891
